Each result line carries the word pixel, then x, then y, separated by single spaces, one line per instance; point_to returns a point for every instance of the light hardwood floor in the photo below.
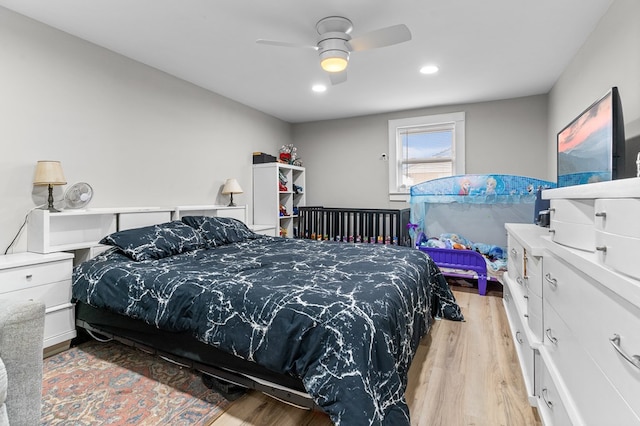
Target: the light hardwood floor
pixel 464 373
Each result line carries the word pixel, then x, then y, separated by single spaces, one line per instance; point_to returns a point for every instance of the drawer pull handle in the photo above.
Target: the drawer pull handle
pixel 552 231
pixel 514 252
pixel 526 297
pixel 633 359
pixel 552 281
pixel 601 214
pixel 546 398
pixel 602 248
pixel 506 297
pixel 518 338
pixel 29 276
pixel 552 339
pixel 519 280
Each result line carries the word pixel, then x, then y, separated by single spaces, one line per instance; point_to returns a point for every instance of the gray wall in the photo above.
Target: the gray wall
pixel 609 57
pixel 343 162
pixel 140 137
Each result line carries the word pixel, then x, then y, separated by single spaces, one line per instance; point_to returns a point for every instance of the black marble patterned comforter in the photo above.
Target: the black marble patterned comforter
pixel 344 318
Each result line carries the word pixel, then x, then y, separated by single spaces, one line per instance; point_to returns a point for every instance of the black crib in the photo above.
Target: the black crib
pixel 377 226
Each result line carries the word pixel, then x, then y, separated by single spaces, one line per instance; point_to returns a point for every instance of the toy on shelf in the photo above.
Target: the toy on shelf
pixel 283 210
pixel 297 189
pixel 283 232
pixel 282 184
pixel 289 155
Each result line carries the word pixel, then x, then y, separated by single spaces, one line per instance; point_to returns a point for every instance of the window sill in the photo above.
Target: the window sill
pixel 400 196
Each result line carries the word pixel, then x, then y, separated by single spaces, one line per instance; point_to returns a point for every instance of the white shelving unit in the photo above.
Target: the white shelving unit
pixel 268 198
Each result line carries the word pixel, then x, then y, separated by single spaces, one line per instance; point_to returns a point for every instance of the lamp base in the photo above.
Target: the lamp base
pixel 51 209
pixel 231 203
pixel 50 201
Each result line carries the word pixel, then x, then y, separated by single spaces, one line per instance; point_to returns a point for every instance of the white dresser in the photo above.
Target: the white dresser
pixel 46 278
pixel 586 364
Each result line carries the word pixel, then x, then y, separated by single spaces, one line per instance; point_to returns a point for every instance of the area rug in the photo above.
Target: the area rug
pixel 109 383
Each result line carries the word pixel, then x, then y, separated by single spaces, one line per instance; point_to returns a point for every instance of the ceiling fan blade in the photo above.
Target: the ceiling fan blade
pixel 381 38
pixel 338 77
pixel 285 44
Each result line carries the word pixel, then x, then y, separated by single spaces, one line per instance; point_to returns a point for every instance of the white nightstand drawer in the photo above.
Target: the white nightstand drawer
pixel 59 324
pixel 34 275
pixel 52 294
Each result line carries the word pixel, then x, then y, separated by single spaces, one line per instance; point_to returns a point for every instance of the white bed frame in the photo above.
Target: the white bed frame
pixel 79 231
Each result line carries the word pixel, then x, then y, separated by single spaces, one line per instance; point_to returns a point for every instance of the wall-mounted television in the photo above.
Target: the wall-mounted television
pixel 592 147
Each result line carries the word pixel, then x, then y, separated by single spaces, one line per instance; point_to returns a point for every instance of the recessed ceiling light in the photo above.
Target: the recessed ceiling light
pixel 429 69
pixel 319 88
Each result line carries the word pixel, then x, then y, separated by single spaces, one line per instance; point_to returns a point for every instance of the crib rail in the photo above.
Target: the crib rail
pixel 378 226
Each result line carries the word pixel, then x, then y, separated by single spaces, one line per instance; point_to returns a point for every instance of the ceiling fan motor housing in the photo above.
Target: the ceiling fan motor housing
pixel 333 43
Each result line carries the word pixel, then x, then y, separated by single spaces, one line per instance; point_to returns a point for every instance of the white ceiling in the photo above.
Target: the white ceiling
pixel 486 49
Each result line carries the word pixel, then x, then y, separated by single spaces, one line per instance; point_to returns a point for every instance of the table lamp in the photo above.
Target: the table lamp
pixel 49 173
pixel 231 186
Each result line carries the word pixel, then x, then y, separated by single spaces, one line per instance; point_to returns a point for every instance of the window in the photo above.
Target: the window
pixel 424 148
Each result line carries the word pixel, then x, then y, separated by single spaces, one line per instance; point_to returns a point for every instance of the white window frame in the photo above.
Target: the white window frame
pixel 399 192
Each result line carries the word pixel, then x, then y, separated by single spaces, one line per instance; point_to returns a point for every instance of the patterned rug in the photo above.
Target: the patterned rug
pixel 110 383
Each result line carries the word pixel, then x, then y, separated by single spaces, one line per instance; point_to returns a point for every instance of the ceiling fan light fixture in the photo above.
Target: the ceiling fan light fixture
pixel 334 60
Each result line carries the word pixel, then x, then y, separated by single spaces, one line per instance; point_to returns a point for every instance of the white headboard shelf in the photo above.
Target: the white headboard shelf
pixel 73 230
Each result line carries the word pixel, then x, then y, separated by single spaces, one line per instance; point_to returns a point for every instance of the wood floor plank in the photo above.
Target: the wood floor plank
pixel 464 373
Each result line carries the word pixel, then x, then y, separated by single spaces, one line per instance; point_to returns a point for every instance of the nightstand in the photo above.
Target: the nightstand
pixel 47 278
pixel 268 230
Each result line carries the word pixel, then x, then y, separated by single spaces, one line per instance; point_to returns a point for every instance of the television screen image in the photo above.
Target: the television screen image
pixel 590 147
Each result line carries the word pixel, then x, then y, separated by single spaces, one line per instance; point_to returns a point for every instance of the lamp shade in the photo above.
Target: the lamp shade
pixel 49 173
pixel 231 186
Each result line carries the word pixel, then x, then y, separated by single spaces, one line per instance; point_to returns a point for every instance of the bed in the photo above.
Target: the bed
pixel 333 326
pixel 469 212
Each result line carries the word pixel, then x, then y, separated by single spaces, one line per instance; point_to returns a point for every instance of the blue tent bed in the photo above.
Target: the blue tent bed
pixel 469 211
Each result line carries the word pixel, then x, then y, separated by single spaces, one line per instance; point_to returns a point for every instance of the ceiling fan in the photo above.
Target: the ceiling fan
pixel 335 44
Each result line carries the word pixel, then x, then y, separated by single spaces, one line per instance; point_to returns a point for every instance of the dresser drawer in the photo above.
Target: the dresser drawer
pixel 619 252
pixel 521 342
pixel 550 405
pixel 576 235
pixel 534 315
pixel 17 278
pixel 591 392
pixel 618 216
pixel 595 315
pixel 515 258
pixel 578 211
pixel 533 275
